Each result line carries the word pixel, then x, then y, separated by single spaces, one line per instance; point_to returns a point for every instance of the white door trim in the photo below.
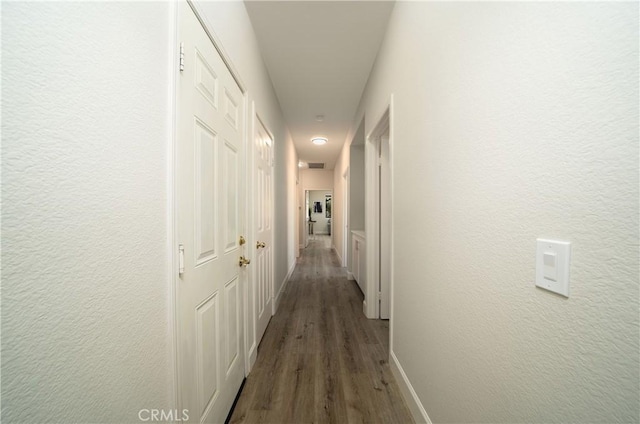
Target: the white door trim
pixel 172 225
pixel 372 213
pixel 392 235
pixel 250 337
pixel 305 214
pixel 251 342
pixel 345 218
pixel 208 28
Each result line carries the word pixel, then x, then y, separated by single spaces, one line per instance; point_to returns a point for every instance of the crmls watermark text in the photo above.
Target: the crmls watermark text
pixel 157 415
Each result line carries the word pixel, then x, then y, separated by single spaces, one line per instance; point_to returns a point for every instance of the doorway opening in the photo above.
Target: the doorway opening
pixel 379 218
pixel 318 211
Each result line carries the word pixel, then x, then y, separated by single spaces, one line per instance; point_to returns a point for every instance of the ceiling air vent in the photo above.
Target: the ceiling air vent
pixel 317 165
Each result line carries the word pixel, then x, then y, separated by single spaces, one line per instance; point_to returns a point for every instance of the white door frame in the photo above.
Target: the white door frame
pixel 372 212
pixel 172 221
pixel 300 214
pixel 252 345
pixel 345 218
pixel 172 206
pixel 305 232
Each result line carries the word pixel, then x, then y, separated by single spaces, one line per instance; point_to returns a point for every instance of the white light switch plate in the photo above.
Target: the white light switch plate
pixel 553 259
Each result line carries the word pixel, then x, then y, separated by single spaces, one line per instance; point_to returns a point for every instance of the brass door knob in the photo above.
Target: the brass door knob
pixel 260 244
pixel 244 261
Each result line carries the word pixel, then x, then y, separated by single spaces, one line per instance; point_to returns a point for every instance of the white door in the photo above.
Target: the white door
pixel 264 249
pixel 209 206
pixel 307 215
pixel 385 228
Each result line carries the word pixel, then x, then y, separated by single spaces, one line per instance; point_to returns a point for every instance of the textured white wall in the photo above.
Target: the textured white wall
pixel 357 181
pixel 85 135
pixel 286 210
pixel 316 179
pixel 229 21
pixel 339 187
pixel 514 121
pixel 293 216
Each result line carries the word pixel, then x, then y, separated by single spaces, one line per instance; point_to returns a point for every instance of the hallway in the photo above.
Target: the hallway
pixel 155 159
pixel 320 359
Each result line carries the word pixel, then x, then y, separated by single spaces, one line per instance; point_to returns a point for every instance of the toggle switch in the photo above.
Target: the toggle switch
pixel 553 258
pixel 549 262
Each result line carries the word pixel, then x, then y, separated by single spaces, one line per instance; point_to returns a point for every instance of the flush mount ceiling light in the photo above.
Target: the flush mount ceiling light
pixel 319 118
pixel 319 140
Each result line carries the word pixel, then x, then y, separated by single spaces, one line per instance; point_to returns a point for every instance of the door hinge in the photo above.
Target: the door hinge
pixel 181 259
pixel 181 57
pixel 380 296
pixel 379 161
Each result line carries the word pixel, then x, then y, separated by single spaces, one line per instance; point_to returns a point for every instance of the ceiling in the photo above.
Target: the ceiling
pixel 319 55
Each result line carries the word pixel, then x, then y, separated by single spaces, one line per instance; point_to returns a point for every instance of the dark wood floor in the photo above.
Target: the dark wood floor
pixel 321 360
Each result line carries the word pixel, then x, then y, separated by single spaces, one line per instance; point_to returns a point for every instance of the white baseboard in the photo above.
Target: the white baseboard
pixel 284 284
pixel 337 254
pixel 415 406
pixel 253 355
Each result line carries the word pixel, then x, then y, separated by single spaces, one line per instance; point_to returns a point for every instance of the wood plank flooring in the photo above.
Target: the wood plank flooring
pixel 321 360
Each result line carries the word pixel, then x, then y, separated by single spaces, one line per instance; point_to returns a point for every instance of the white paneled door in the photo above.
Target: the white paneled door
pixel 263 151
pixel 209 162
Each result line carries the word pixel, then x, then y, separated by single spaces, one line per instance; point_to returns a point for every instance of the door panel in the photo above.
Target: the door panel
pixel 208 342
pixel 264 275
pixel 208 208
pixel 230 163
pixel 232 297
pixel 206 80
pixel 205 192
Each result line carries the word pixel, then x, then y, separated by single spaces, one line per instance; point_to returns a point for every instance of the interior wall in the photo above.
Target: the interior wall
pixel 356 168
pixel 514 121
pixel 229 21
pixel 339 187
pixel 291 178
pixel 321 226
pixel 356 195
pixel 312 179
pixel 355 189
pixel 86 110
pixel 285 211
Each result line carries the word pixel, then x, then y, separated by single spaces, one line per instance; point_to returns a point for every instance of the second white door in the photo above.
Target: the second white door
pixel 263 149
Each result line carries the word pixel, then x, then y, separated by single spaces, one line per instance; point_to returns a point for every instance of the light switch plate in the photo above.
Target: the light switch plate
pixel 553 258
